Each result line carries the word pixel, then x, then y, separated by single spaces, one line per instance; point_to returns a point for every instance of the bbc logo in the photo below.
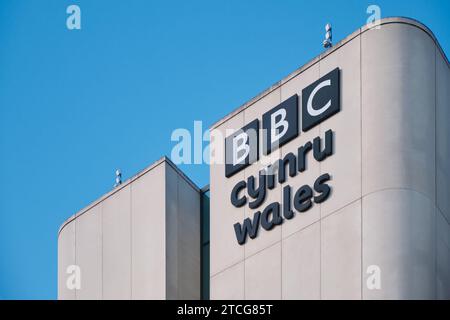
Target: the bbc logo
pixel 320 100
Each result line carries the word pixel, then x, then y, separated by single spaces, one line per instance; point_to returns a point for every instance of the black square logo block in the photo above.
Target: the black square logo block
pixel 280 124
pixel 241 148
pixel 320 100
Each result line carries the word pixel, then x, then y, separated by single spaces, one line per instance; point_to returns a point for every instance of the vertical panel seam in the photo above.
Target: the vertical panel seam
pixel 435 176
pixel 101 250
pixel 166 214
pixel 131 241
pixel 281 230
pixel 75 255
pixel 320 205
pixel 245 209
pixel 361 161
pixel 102 237
pixel 177 242
pixel 201 245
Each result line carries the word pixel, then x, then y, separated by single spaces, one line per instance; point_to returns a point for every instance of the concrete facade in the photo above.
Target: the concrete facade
pixel 140 241
pixel 389 206
pixel 388 210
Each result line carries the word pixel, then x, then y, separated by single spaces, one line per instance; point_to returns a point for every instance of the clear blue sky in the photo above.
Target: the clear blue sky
pixel 76 105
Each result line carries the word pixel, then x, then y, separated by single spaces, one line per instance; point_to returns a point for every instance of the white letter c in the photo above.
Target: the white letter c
pixel 315 112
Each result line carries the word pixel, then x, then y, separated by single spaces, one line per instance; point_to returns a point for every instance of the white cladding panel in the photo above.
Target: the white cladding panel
pixel 117 245
pixel 89 253
pixel 148 252
pixel 66 258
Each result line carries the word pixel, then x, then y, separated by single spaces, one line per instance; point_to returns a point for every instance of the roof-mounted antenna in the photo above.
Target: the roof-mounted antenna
pixel 118 178
pixel 328 42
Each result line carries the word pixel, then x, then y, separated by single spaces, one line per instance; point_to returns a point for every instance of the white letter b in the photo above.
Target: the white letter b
pixel 239 145
pixel 275 125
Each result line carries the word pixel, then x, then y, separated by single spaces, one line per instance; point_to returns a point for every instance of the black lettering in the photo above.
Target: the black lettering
pixel 270 173
pixel 319 154
pixel 259 194
pixel 248 227
pixel 302 151
pixel 302 198
pixel 274 209
pixel 271 182
pixel 292 161
pixel 321 187
pixel 287 212
pixel 235 200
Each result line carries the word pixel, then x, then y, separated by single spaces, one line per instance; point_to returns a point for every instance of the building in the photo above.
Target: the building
pixel 332 184
pixel 139 241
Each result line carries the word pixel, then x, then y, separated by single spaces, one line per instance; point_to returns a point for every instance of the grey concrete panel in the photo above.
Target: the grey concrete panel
pixel 301 264
pixel 225 250
pixel 148 237
pixel 341 253
pixel 399 237
pixel 117 246
pixel 228 284
pixel 443 134
pixel 265 238
pixel 66 258
pixel 172 263
pixel 263 274
pixel 188 241
pixel 89 253
pixel 398 135
pixel 443 257
pixel 344 165
pixel 312 172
